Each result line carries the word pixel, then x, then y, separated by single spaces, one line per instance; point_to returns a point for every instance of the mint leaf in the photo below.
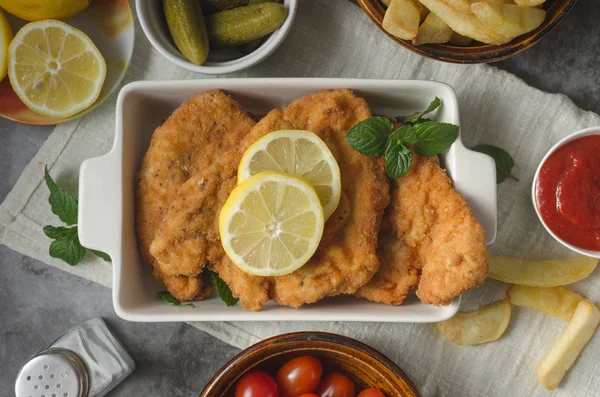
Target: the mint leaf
pixel 63 204
pixel 416 117
pixel 102 255
pixel 167 297
pixel 398 159
pixel 223 290
pixel 433 137
pixel 504 161
pixel 370 136
pixel 66 245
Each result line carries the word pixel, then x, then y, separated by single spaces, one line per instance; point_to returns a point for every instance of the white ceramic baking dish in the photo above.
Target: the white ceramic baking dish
pixel 106 193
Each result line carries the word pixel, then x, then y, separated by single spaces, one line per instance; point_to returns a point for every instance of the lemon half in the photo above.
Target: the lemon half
pixel 271 224
pixel 55 69
pixel 300 153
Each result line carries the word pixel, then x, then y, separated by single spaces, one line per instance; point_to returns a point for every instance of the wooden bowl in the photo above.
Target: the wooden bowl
pixel 556 10
pixel 361 363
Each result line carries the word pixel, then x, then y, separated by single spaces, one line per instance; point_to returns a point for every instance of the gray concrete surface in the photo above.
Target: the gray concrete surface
pixel 39 302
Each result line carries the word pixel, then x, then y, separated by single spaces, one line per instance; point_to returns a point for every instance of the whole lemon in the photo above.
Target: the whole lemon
pixel 6 37
pixel 36 10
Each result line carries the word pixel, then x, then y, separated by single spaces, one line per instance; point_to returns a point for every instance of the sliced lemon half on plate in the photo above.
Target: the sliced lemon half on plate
pixel 271 224
pixel 300 153
pixel 55 69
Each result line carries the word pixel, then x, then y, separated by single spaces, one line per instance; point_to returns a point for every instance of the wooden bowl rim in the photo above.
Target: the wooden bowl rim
pixel 485 53
pixel 300 341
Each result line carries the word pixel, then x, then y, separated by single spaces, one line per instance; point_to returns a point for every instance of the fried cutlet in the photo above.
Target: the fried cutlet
pixel 346 258
pixel 191 139
pixel 429 240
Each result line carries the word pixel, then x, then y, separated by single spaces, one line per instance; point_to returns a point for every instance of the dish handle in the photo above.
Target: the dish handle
pixel 481 195
pixel 99 211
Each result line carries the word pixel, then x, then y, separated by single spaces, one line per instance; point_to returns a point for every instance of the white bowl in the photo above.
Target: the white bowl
pixel 220 61
pixel 562 142
pixel 107 208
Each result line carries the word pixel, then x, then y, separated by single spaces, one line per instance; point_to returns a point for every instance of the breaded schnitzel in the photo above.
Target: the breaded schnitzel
pixel 429 238
pixel 346 258
pixel 190 140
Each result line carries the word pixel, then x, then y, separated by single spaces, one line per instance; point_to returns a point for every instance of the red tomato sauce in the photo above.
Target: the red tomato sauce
pixel 568 192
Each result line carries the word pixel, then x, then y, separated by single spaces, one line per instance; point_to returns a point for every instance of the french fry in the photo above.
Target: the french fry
pixel 559 302
pixel 424 12
pixel 433 30
pixel 529 3
pixel 386 2
pixel 460 40
pixel 479 326
pixel 541 273
pixel 563 354
pixel 402 18
pixel 464 23
pixel 506 19
pixel 463 6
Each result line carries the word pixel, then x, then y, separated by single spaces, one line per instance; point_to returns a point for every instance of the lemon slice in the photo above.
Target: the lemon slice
pixel 300 153
pixel 271 224
pixel 55 69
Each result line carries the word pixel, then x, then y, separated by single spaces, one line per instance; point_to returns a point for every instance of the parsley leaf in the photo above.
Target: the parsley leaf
pixel 62 202
pixel 167 297
pixel 416 117
pixel 433 137
pixel 504 161
pixel 66 245
pixel 370 136
pixel 223 290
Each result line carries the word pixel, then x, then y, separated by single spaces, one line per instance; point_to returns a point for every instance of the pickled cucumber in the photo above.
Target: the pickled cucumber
pixel 244 24
pixel 188 29
pixel 250 46
pixel 212 6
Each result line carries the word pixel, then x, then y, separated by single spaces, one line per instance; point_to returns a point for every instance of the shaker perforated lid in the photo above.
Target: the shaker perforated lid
pixel 54 372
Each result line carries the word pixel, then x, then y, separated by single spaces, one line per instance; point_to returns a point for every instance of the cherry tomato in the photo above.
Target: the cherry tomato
pixel 370 393
pixel 299 376
pixel 257 384
pixel 335 385
pixel 309 395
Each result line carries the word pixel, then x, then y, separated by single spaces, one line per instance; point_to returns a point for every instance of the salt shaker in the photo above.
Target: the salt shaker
pixel 87 361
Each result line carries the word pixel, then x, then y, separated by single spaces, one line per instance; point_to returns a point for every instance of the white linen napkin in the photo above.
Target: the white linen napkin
pixel 333 38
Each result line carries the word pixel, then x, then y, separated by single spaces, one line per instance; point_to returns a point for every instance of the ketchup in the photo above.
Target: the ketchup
pixel 568 192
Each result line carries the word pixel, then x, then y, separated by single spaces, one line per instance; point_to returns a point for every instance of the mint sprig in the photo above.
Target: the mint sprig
pixel 62 202
pixel 375 137
pixel 223 289
pixel 102 255
pixel 167 297
pixel 416 117
pixel 398 159
pixel 221 286
pixel 434 137
pixel 370 136
pixel 504 161
pixel 66 245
